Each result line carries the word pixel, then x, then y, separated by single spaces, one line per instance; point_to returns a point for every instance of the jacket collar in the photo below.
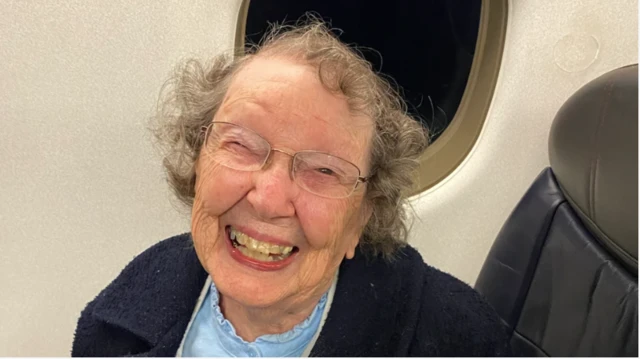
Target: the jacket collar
pixel 369 294
pixel 155 293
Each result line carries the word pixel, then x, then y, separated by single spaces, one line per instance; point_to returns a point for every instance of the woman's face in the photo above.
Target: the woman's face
pixel 286 104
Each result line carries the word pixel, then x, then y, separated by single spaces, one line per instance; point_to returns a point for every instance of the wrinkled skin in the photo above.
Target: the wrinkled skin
pixel 286 104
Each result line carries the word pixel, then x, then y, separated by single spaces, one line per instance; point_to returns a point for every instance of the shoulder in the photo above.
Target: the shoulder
pixel 152 293
pixel 174 246
pixel 459 317
pixel 167 260
pixel 411 309
pixel 454 319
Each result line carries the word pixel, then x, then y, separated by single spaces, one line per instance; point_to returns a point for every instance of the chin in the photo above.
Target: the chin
pixel 250 291
pixel 245 285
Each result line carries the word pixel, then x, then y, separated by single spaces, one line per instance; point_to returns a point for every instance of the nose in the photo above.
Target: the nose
pixel 274 190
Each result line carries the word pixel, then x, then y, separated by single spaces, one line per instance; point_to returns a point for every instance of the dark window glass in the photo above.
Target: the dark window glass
pixel 427 46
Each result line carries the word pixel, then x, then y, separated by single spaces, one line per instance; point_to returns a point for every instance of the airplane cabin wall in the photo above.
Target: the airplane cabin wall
pixel 82 189
pixel 552 48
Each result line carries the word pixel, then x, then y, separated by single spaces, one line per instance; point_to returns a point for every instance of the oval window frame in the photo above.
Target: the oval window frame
pixel 446 153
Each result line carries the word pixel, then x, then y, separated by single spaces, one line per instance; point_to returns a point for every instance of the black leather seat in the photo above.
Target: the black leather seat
pixel 563 272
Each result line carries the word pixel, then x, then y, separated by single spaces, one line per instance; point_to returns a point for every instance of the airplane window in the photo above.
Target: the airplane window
pixel 444 55
pixel 426 46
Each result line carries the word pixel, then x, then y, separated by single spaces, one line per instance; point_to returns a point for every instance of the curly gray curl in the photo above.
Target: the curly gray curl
pixel 195 92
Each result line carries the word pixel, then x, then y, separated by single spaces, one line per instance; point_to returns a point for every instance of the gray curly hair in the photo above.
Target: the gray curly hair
pixel 195 92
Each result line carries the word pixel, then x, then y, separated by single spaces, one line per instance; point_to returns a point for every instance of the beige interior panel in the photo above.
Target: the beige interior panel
pixel 81 188
pixel 551 49
pixel 82 191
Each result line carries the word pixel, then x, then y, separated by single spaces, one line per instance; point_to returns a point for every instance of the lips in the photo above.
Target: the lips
pixel 256 254
pixel 256 249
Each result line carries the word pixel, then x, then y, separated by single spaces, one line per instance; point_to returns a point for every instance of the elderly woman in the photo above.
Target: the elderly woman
pixel 295 159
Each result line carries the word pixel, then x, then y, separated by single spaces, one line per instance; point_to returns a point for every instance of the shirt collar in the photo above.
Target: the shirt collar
pixel 294 340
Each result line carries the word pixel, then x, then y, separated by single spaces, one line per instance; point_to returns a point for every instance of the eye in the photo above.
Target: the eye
pixel 238 148
pixel 326 171
pixel 235 143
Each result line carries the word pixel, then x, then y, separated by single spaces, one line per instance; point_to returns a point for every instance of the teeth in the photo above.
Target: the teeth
pixel 263 247
pixel 242 239
pixel 260 256
pixel 256 255
pixel 259 250
pixel 252 244
pixel 275 249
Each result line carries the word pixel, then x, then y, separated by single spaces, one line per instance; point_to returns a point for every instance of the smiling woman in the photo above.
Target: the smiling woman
pixel 296 160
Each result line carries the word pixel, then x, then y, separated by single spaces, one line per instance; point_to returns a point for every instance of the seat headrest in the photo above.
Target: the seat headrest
pixel 593 150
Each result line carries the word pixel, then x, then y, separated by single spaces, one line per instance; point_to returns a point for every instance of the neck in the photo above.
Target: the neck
pixel 251 322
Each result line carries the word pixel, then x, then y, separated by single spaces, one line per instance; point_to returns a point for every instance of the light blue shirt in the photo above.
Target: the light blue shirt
pixel 211 335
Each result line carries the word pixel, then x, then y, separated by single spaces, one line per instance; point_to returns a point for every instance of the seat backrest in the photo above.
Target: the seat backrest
pixel 563 270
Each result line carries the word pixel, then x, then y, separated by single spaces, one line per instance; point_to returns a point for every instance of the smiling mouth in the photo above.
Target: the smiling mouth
pixel 258 250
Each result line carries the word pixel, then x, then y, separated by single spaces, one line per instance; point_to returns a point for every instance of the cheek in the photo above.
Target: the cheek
pixel 326 223
pixel 218 189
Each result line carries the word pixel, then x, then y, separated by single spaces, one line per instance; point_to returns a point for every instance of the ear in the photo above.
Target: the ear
pixel 366 213
pixel 351 250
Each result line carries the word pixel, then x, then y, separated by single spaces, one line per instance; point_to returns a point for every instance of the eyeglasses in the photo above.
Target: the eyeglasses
pixel 241 149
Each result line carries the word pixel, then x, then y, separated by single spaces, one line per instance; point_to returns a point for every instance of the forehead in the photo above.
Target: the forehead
pixel 286 103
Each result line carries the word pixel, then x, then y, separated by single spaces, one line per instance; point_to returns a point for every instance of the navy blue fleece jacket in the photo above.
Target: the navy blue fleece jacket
pixel 403 308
